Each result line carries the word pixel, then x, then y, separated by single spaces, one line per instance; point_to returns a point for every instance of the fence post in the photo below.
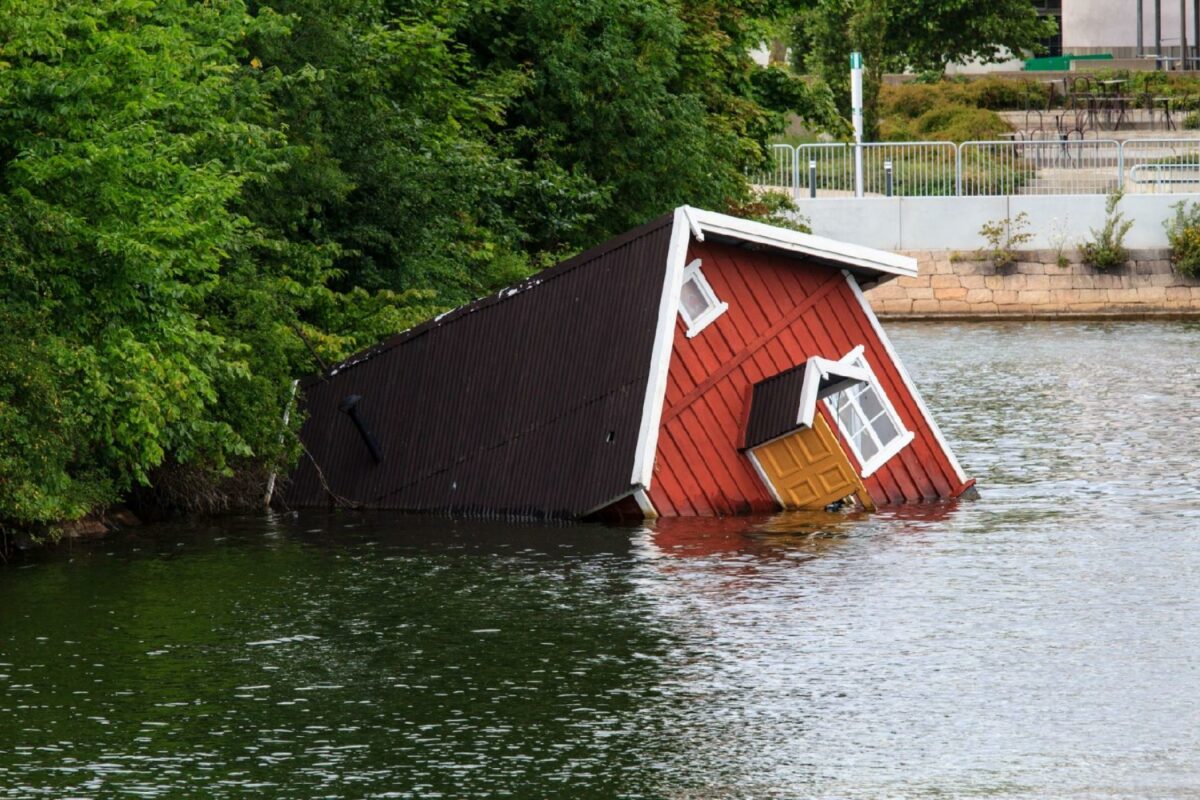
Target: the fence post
pixel 1121 163
pixel 887 178
pixel 796 172
pixel 812 177
pixel 958 181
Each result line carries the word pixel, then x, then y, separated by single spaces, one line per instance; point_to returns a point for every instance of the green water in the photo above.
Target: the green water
pixel 1040 642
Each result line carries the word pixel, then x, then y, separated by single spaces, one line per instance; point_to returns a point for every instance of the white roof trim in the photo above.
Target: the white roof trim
pixel 851 255
pixel 818 369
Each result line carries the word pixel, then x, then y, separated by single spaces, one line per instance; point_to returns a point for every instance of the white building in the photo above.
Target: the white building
pixel 1112 26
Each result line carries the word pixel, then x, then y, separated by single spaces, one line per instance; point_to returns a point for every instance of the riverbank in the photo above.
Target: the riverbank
pixel 953 285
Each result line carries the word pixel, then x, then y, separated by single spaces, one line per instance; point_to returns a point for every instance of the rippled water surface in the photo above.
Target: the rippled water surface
pixel 1041 642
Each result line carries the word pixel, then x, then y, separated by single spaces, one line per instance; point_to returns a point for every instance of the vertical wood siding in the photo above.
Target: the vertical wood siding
pixel 782 311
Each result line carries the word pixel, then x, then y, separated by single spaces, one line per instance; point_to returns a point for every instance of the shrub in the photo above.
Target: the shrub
pixel 1183 232
pixel 910 99
pixel 1004 237
pixel 1192 121
pixel 1107 248
pixel 956 123
pixel 1001 94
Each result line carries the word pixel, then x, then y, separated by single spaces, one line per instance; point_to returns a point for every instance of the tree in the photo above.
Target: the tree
pixel 921 35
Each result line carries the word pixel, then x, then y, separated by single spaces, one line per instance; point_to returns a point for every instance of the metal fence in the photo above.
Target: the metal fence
pixel 928 169
pixel 1162 166
pixel 911 169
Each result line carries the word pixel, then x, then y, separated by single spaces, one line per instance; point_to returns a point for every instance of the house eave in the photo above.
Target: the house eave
pixel 859 259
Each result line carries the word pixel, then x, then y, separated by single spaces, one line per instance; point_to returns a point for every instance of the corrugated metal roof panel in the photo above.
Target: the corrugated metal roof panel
pixel 774 406
pixel 525 402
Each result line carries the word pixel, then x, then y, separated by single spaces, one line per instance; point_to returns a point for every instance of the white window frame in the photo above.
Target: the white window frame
pixel 856 360
pixel 715 307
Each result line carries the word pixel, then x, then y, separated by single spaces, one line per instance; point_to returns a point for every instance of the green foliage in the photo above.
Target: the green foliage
pixel 1192 121
pixel 895 35
pixel 960 124
pixel 1183 232
pixel 201 202
pixel 1004 237
pixel 1107 250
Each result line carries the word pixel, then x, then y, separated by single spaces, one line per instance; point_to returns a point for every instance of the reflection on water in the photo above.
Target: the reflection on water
pixel 1037 643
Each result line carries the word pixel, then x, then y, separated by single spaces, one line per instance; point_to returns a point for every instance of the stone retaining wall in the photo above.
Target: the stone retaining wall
pixel 949 286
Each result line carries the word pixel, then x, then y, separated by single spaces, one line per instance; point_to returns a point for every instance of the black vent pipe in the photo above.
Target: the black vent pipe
pixel 349 407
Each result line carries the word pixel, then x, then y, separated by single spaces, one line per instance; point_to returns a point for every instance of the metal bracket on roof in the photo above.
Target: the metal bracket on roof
pixel 697 233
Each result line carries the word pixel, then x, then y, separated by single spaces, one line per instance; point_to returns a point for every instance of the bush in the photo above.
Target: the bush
pixel 1004 237
pixel 957 123
pixel 1107 248
pixel 1183 232
pixel 1002 94
pixel 910 100
pixel 1192 121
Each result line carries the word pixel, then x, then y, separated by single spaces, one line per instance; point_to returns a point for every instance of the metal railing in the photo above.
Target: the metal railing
pixel 1161 166
pixel 1039 167
pixel 1023 167
pixel 902 169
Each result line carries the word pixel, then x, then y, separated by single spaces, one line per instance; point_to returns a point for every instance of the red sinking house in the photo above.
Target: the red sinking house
pixel 698 365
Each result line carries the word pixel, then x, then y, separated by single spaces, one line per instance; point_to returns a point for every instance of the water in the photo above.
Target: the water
pixel 1041 642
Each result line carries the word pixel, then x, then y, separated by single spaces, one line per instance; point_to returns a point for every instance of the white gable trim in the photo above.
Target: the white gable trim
pixel 660 359
pixel 904 376
pixel 784 239
pixel 816 370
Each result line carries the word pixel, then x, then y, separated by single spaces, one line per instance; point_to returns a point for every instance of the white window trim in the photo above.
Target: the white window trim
pixel 715 307
pixel 885 454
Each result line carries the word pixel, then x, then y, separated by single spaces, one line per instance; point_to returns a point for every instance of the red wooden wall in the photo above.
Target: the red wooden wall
pixel 781 312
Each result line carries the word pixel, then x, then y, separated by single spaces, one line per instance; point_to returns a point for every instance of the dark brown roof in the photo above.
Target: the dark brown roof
pixel 774 406
pixel 526 402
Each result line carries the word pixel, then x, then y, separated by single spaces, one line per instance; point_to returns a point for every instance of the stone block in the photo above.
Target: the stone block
pixel 1039 282
pixel 909 283
pixel 1123 296
pixel 1176 293
pixel 985 308
pixel 978 295
pixel 1161 279
pixel 1068 281
pixel 1151 294
pixel 955 293
pixel 1031 268
pixel 1034 297
pixel 994 282
pixel 941 267
pixel 926 306
pixel 944 281
pixel 893 307
pixel 974 281
pixel 1004 297
pixel 920 293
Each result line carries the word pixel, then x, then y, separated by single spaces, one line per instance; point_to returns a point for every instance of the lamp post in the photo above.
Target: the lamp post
pixel 856 115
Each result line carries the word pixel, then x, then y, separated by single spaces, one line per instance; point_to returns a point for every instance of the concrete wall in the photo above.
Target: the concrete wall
pixel 953 223
pixel 1105 25
pixel 1037 286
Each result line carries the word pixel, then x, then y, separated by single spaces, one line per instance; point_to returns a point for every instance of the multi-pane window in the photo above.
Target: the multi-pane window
pixel 867 419
pixel 698 303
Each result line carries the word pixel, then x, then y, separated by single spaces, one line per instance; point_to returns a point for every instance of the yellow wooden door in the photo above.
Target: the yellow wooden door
pixel 809 470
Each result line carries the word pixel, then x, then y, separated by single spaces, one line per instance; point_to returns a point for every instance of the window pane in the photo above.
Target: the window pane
pixel 872 406
pixel 885 429
pixel 866 446
pixel 851 421
pixel 694 301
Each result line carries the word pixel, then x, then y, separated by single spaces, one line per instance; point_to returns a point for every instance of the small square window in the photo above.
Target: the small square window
pixel 698 303
pixel 867 419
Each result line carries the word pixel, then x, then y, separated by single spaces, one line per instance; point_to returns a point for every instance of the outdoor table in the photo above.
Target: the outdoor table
pixel 1165 102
